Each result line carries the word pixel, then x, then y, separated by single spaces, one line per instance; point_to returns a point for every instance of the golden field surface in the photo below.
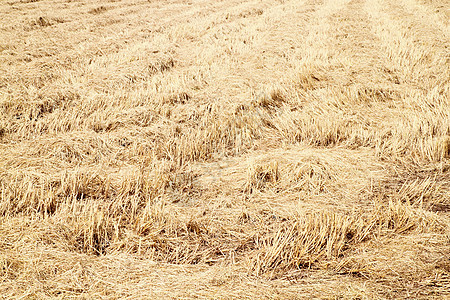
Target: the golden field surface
pixel 229 149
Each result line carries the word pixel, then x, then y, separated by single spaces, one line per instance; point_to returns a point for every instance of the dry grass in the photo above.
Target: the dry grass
pixel 224 149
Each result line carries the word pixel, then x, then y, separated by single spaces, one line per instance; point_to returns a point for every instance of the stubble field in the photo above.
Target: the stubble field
pixel 230 149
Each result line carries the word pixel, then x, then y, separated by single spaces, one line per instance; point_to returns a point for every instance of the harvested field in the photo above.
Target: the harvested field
pixel 260 149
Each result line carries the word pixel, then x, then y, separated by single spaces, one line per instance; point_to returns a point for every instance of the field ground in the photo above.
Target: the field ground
pixel 229 149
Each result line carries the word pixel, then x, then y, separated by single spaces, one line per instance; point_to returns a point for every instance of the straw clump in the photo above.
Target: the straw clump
pixel 265 149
